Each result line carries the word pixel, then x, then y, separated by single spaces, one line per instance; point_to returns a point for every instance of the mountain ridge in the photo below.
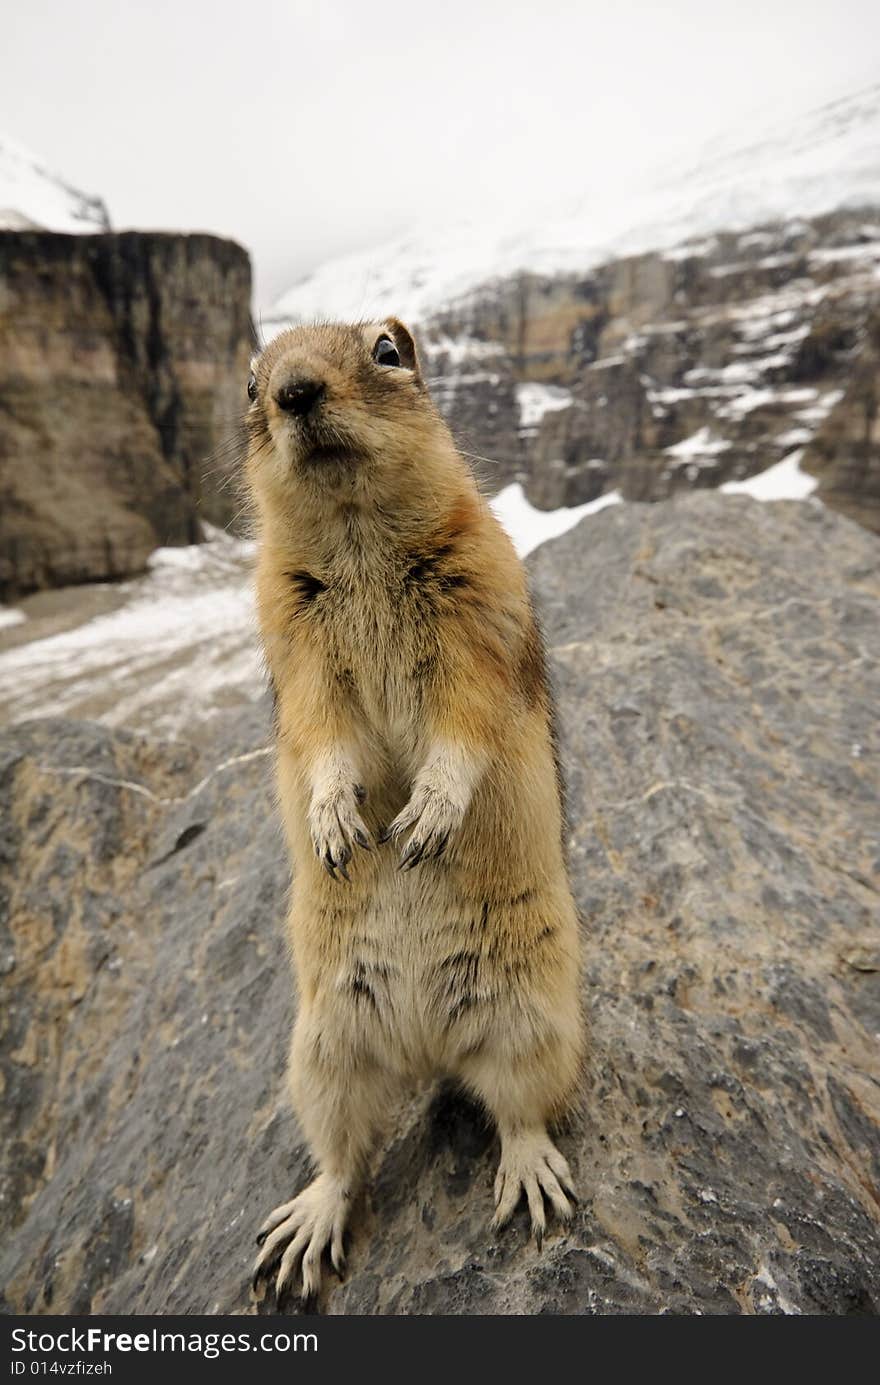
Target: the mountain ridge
pixel 821 160
pixel 33 198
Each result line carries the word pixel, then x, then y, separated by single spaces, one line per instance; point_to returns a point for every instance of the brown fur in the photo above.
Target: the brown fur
pixel 412 702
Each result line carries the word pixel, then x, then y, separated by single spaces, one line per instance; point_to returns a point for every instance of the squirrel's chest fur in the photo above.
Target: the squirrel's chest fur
pixel 383 623
pixel 378 639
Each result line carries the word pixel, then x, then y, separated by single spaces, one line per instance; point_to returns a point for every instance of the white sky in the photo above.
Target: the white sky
pixel 307 127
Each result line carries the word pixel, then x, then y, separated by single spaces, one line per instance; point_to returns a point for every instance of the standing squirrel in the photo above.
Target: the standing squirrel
pixel 432 925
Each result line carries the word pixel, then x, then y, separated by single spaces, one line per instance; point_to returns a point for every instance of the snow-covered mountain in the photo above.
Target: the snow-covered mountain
pixel 826 159
pixel 32 197
pixel 703 330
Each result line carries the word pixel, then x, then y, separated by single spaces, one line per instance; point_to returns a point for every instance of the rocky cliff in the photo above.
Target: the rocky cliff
pixel 680 369
pixel 717 680
pixel 845 453
pixel 122 358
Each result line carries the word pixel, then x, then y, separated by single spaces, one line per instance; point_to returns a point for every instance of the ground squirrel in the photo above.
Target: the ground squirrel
pixel 432 925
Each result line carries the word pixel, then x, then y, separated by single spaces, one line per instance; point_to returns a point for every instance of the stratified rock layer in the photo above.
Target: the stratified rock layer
pixel 718 686
pixel 122 366
pixel 678 369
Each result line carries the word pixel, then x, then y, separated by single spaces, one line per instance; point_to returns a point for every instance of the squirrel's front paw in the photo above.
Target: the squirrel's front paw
pixel 336 826
pixel 433 816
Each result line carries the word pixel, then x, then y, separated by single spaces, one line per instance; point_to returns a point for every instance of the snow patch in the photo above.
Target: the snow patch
pixel 691 250
pixel 841 253
pixel 194 558
pixel 183 637
pixel 749 400
pixel 10 616
pixel 536 400
pixel 529 527
pixel 821 409
pixel 457 350
pixel 784 481
pixel 605 362
pixel 756 240
pixel 794 437
pixel 700 449
pixel 738 372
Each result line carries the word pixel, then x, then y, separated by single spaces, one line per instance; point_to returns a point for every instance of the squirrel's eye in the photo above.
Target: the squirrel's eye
pixel 385 352
pixel 252 388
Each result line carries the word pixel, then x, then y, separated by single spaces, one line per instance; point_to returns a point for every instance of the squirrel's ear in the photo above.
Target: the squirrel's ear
pixel 406 347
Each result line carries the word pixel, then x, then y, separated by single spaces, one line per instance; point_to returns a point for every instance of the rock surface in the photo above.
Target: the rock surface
pixel 122 361
pixel 716 664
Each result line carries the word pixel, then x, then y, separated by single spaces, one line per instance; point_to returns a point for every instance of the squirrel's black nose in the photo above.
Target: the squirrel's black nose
pixel 300 395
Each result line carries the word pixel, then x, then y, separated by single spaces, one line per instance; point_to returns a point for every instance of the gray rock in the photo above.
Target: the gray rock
pixel 717 678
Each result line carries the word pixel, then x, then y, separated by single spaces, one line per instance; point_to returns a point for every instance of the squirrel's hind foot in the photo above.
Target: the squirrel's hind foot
pixel 532 1165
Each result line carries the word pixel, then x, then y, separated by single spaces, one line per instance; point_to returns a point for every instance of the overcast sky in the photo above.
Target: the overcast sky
pixel 307 127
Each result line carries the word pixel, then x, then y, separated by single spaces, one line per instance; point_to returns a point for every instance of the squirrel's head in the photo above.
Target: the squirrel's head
pixel 338 407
